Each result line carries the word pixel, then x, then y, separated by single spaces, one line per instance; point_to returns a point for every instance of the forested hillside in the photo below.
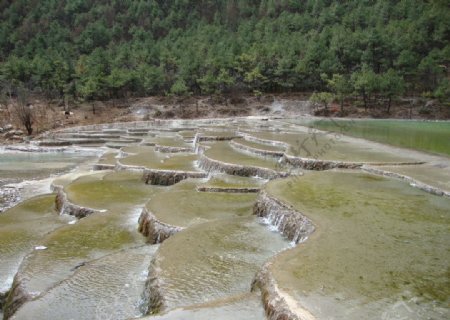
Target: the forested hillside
pixel 99 49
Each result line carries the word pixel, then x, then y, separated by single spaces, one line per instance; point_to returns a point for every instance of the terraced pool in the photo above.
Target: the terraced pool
pixel 231 225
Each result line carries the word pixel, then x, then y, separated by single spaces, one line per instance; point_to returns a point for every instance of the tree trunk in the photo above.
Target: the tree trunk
pixel 342 105
pixel 389 105
pixel 93 108
pixel 365 100
pixel 29 128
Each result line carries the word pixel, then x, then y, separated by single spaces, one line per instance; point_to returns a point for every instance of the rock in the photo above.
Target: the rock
pixel 153 290
pixel 296 227
pixel 17 138
pixel 261 152
pixel 212 165
pixel 64 206
pixel 431 103
pixel 19 133
pixel 53 143
pixel 8 134
pixel 228 190
pixel 169 149
pixel 1 130
pixel 8 127
pixel 169 177
pixel 16 297
pixel 275 305
pixel 154 230
pixel 3 296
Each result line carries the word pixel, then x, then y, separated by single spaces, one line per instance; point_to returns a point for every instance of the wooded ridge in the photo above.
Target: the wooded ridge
pixel 98 49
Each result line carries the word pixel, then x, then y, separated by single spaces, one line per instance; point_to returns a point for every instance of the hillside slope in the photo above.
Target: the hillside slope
pixel 97 49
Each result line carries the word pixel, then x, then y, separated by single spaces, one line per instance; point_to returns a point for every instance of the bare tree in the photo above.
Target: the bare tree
pixel 24 110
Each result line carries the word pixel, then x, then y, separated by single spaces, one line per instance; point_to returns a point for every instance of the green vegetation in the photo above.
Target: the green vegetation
pixel 97 49
pixel 420 135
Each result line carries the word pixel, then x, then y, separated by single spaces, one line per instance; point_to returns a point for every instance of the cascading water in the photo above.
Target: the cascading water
pixel 206 233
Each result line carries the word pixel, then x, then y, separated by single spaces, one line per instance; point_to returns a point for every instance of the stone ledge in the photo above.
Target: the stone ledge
pixel 289 222
pixel 154 230
pixel 169 149
pixel 228 190
pixel 209 165
pixel 275 306
pixel 153 290
pixel 252 150
pixel 100 166
pixel 169 177
pixel 317 164
pixel 413 182
pixel 16 297
pixel 64 206
pixel 296 227
pixel 268 142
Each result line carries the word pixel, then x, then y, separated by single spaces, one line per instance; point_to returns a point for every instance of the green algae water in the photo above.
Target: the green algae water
pixel 222 151
pixel 120 195
pixel 111 191
pixel 193 207
pixel 147 157
pixel 431 136
pixel 319 145
pixel 433 174
pixel 380 248
pixel 214 260
pixel 21 229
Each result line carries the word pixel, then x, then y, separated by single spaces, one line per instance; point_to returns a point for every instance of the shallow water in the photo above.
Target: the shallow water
pixel 19 166
pixel 149 158
pixel 193 207
pixel 228 181
pixel 122 196
pixel 21 229
pixel 107 288
pixel 214 260
pixel 114 191
pixel 187 134
pixel 108 157
pixel 17 169
pixel 175 141
pixel 95 267
pixel 434 174
pixel 326 146
pixel 214 132
pixel 260 146
pixel 379 243
pixel 222 151
pixel 421 135
pixel 240 307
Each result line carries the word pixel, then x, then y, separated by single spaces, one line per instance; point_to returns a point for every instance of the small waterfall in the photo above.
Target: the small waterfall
pixel 289 222
pixel 195 142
